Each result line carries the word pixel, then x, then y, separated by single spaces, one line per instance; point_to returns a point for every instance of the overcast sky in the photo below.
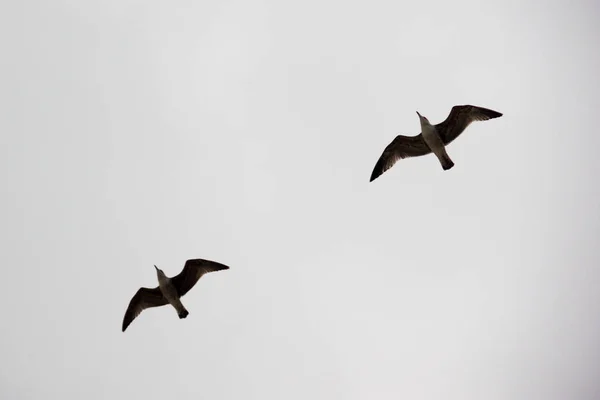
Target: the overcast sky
pixel 145 132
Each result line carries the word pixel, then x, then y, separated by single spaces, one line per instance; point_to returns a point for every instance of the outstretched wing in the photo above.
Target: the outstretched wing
pixel 459 118
pixel 401 147
pixel 192 271
pixel 144 298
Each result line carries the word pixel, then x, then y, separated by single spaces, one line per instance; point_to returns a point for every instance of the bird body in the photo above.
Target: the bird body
pixel 170 290
pixel 432 139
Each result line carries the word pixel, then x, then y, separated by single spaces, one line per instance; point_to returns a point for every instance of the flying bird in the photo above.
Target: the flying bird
pixel 433 138
pixel 170 290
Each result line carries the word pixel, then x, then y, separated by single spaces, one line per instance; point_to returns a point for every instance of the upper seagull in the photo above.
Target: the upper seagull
pixel 170 290
pixel 433 138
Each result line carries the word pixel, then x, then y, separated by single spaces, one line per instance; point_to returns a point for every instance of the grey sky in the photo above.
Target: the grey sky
pixel 146 132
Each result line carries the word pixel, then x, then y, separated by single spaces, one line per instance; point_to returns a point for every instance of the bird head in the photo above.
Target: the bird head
pixel 159 272
pixel 422 118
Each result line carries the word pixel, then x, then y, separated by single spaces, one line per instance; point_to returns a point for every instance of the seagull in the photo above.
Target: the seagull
pixel 170 290
pixel 433 138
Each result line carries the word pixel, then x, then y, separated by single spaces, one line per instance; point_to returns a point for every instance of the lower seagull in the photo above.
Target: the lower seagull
pixel 170 290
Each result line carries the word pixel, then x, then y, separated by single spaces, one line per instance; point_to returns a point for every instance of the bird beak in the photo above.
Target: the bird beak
pixel 156 267
pixel 418 114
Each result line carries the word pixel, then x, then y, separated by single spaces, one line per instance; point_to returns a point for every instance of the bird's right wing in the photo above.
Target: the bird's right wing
pixel 460 118
pixel 144 298
pixel 192 272
pixel 401 147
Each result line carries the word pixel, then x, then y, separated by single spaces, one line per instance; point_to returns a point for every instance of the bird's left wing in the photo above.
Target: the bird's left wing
pixel 144 298
pixel 401 147
pixel 192 272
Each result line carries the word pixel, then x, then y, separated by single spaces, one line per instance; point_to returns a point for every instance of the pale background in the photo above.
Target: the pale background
pixel 145 132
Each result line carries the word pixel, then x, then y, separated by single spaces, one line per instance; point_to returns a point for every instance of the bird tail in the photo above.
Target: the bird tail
pixel 182 313
pixel 446 162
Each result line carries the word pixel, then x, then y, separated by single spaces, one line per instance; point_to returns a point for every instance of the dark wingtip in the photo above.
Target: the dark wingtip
pixel 491 113
pixel 220 267
pixel 377 171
